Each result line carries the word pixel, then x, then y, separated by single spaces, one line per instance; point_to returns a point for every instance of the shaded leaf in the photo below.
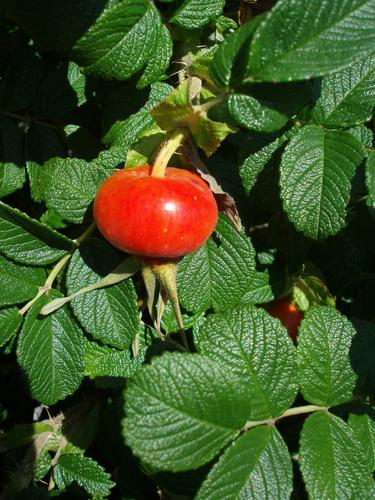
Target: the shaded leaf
pixel 52 25
pixel 19 85
pixel 27 241
pixel 255 162
pixel 230 61
pixel 370 180
pixel 61 91
pixel 12 171
pixel 124 133
pixel 10 321
pixel 18 283
pixel 105 361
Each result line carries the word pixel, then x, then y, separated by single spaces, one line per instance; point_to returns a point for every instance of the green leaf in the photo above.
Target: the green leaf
pixel 124 133
pixel 12 171
pixel 256 347
pixel 10 321
pixel 104 361
pixel 209 134
pixel 53 219
pixel 253 115
pixel 50 350
pixel 169 322
pixel 301 39
pixel 18 283
pixel 257 465
pixel 142 151
pixel 220 273
pixel 309 289
pixel 27 241
pixel 84 471
pixel 196 13
pixel 363 134
pixel 180 411
pixel 109 314
pixel 125 38
pixel 61 91
pixel 332 462
pixel 316 170
pixel 177 111
pixel 52 25
pixel 370 180
pixel 255 163
pixel 110 159
pixel 12 178
pixel 70 185
pixel 325 370
pixel 363 427
pixel 230 60
pixel 41 466
pixel 224 24
pixel 348 97
pixel 159 61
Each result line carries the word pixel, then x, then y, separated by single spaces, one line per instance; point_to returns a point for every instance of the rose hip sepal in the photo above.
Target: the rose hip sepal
pixel 156 217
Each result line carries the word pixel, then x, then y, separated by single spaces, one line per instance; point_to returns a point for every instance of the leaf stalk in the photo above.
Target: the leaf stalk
pixel 166 151
pixel 297 410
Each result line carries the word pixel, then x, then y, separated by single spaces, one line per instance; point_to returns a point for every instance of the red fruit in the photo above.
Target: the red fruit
pixel 158 217
pixel 287 313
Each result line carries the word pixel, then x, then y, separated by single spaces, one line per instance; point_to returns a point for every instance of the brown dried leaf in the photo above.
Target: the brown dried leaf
pixel 225 202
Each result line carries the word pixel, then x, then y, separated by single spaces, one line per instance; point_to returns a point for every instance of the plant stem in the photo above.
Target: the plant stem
pixel 166 151
pixel 175 345
pixel 86 233
pixel 298 410
pixel 121 272
pixel 48 283
pixel 55 271
pixel 205 107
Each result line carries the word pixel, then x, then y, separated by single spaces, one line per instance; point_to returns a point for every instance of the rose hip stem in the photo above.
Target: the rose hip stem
pixel 166 151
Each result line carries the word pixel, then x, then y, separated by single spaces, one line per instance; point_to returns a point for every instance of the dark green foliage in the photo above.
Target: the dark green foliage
pixel 279 113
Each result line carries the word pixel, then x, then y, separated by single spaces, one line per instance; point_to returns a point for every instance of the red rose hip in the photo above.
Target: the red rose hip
pixel 287 313
pixel 158 217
